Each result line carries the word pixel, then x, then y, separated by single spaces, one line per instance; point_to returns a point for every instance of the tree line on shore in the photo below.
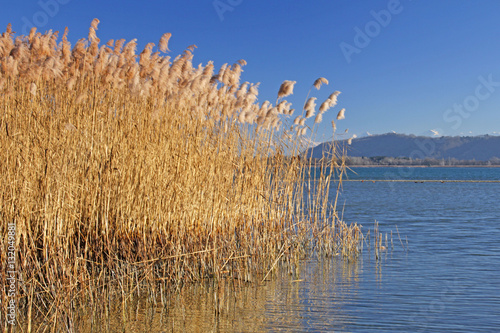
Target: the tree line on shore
pixel 406 161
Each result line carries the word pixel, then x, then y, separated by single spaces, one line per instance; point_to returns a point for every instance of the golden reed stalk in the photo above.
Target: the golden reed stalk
pixel 123 169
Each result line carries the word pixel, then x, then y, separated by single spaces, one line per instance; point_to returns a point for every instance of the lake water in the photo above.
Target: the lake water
pixel 445 279
pixel 449 280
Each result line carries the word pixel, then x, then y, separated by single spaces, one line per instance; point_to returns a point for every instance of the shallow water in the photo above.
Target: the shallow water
pixel 445 279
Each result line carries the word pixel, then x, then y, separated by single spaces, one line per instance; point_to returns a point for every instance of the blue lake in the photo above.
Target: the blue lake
pixel 449 279
pixel 424 173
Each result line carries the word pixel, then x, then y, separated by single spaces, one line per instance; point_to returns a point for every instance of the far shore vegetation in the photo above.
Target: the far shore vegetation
pixel 430 162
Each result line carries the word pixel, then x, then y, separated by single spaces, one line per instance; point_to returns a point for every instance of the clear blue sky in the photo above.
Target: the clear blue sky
pixel 408 66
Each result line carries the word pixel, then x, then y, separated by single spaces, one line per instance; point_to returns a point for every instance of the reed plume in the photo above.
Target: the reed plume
pixel 332 99
pixel 317 84
pixel 341 114
pixel 163 44
pixel 125 169
pixel 309 107
pixel 286 88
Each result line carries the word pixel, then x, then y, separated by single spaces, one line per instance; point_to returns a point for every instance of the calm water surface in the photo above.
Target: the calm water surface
pixel 445 279
pixel 449 280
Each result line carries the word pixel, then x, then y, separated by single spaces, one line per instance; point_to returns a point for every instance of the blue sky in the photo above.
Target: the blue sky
pixel 408 66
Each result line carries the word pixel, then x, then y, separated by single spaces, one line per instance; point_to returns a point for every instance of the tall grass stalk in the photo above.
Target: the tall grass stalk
pixel 128 170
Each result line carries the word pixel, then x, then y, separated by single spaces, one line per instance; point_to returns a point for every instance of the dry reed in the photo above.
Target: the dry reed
pixel 123 169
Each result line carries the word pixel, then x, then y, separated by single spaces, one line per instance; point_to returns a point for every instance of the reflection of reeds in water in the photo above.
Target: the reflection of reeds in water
pixel 230 306
pixel 131 170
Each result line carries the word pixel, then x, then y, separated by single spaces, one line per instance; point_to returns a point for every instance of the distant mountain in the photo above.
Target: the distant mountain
pixel 479 148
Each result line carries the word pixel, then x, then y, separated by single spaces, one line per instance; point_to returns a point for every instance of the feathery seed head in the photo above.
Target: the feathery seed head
pixel 283 107
pixel 332 102
pixel 129 50
pixel 254 89
pixel 163 45
pixel 317 84
pixel 286 88
pixel 318 118
pixel 32 34
pixel 309 107
pixel 276 123
pixel 332 99
pixel 341 114
pixel 334 94
pixel 118 46
pixel 324 106
pixel 94 23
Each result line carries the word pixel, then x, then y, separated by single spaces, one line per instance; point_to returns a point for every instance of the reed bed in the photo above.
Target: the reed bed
pixel 123 169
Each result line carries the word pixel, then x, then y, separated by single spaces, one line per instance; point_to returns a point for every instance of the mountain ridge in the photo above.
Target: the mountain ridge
pixel 479 148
